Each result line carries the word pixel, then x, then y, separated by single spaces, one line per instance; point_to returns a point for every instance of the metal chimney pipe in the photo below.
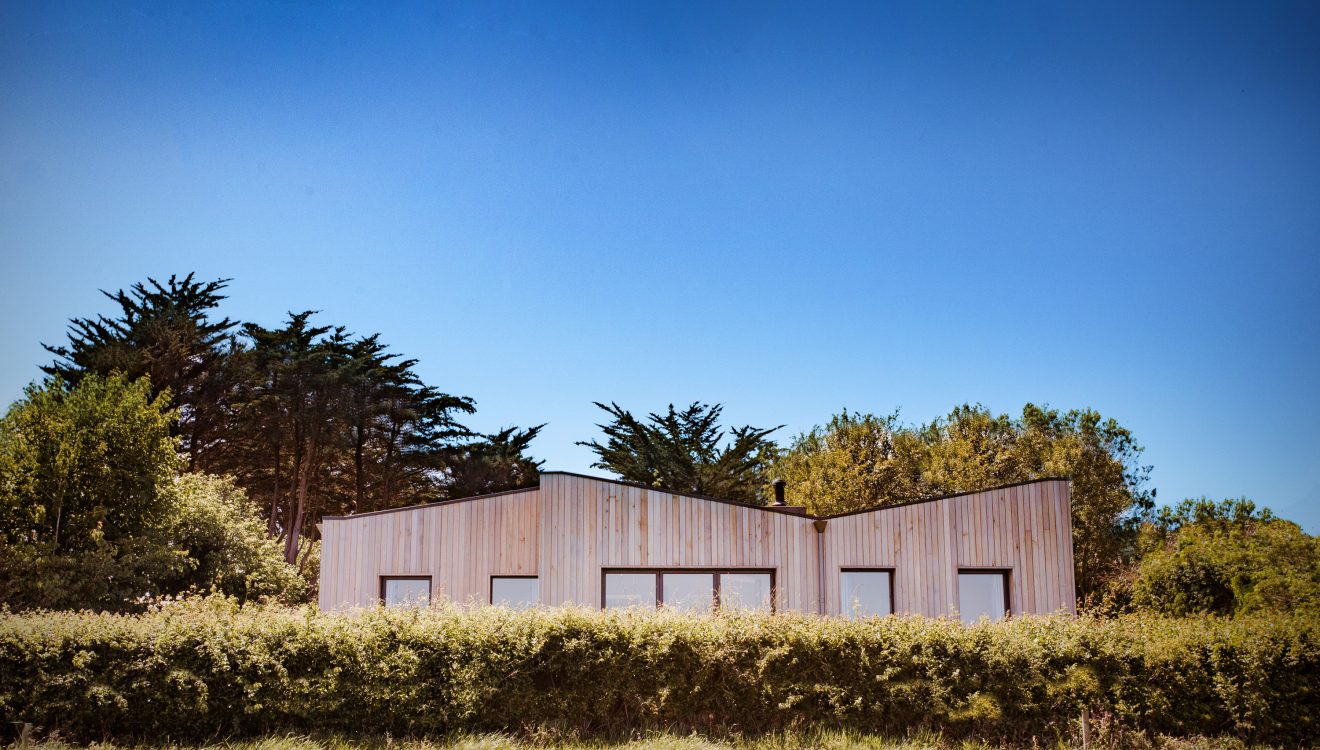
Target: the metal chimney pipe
pixel 779 492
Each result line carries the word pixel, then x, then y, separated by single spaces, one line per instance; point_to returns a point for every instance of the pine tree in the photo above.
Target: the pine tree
pixel 165 332
pixel 686 451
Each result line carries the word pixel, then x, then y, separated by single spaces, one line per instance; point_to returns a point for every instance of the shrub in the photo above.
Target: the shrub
pixel 211 668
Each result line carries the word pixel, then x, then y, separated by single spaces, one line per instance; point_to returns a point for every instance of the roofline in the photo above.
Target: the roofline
pixel 436 504
pixel 769 508
pixel 996 488
pixel 624 483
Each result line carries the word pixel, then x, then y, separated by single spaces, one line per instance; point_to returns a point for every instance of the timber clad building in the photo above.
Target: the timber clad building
pixel 603 543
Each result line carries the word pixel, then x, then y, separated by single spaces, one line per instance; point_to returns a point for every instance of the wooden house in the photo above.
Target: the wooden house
pixel 579 540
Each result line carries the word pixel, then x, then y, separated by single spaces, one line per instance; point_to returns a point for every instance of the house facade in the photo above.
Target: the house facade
pixel 579 540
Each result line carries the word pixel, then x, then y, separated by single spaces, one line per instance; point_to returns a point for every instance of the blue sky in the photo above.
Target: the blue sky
pixel 787 209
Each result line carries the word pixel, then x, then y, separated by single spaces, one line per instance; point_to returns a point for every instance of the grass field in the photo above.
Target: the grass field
pixel 814 741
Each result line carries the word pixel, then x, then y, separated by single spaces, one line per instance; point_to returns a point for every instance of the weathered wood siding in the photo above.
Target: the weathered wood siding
pixel 460 544
pixel 592 525
pixel 573 527
pixel 1025 529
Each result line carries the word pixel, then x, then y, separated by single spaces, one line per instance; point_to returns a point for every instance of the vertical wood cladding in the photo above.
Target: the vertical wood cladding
pixel 570 528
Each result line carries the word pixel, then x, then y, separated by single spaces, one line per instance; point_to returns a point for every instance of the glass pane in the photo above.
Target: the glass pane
pixel 518 593
pixel 629 590
pixel 402 592
pixel 689 592
pixel 745 591
pixel 980 595
pixel 864 593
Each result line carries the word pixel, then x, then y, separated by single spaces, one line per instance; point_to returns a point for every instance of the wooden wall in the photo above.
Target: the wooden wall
pixel 572 527
pixel 460 544
pixel 1025 529
pixel 592 525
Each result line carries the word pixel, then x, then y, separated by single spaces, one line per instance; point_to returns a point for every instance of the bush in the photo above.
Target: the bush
pixel 224 543
pixel 210 667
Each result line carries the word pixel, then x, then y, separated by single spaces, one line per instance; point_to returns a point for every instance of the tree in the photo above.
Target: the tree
pixel 863 461
pixel 94 514
pixel 227 548
pixel 495 463
pixel 686 451
pixel 325 422
pixel 164 332
pixel 1226 558
pixel 84 464
pixel 856 461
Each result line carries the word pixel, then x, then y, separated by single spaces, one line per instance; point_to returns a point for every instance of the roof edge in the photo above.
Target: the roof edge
pixel 436 504
pixel 726 501
pixel 936 498
pixel 680 493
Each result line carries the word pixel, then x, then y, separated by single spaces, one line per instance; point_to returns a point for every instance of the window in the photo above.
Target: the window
pixel 982 593
pixel 745 591
pixel 516 592
pixel 866 593
pixel 689 590
pixel 624 590
pixel 405 591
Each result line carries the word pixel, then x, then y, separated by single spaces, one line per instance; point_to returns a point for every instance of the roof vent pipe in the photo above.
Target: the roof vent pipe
pixel 779 492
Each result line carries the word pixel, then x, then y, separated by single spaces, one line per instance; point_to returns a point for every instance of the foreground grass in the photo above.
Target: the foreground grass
pixel 808 741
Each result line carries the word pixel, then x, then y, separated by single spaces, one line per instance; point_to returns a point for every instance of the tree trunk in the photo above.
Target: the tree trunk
pixel 299 506
pixel 359 481
pixel 271 526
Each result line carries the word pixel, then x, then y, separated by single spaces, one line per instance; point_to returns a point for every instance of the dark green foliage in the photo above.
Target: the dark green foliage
pixel 686 451
pixel 165 333
pixel 493 463
pixel 325 422
pixel 1226 558
pixel 205 669
pixel 309 419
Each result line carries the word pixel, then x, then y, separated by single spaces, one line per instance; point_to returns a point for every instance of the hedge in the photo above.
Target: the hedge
pixel 210 668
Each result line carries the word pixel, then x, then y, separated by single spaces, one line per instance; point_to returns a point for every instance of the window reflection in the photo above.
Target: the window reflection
pixel 624 590
pixel 689 592
pixel 745 591
pixel 982 594
pixel 406 592
pixel 517 592
pixel 865 593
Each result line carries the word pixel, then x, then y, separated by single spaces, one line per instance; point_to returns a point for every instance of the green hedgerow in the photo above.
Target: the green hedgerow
pixel 210 668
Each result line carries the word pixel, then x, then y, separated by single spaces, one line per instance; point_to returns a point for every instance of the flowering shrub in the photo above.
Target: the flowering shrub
pixel 207 668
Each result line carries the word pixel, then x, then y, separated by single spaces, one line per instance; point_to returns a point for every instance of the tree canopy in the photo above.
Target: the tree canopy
pixel 861 461
pixel 1226 558
pixel 95 514
pixel 686 451
pixel 308 418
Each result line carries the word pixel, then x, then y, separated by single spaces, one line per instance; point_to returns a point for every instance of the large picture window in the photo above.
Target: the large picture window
pixel 982 594
pixel 405 591
pixel 689 590
pixel 515 592
pixel 866 592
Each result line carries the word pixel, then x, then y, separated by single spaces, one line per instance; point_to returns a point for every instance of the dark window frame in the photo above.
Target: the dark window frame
pixel 430 586
pixel 490 585
pixel 713 570
pixel 893 599
pixel 1006 573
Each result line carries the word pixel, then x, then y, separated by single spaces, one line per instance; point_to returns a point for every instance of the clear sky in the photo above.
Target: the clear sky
pixel 787 209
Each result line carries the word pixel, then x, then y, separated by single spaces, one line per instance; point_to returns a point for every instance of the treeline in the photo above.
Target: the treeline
pixel 309 419
pixel 171 449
